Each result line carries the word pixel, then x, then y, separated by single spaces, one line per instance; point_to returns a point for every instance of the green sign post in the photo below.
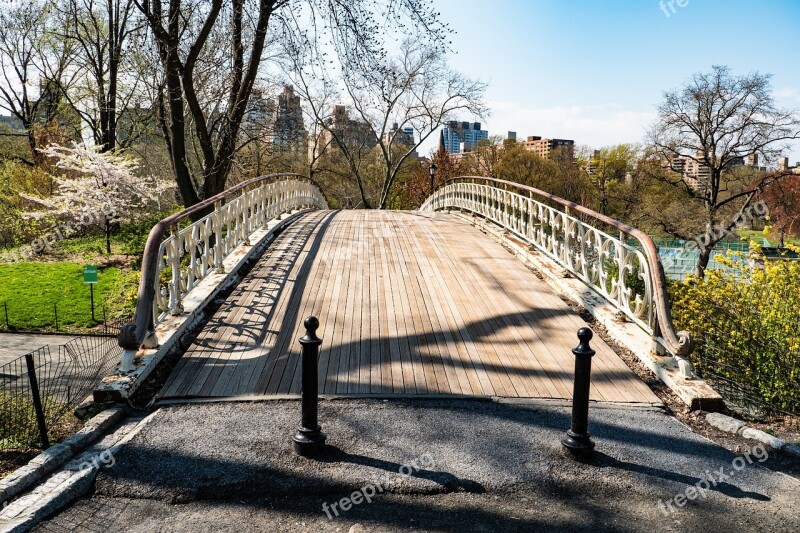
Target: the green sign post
pixel 90 277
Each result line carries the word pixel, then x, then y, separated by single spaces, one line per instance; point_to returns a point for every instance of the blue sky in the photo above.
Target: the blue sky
pixel 594 71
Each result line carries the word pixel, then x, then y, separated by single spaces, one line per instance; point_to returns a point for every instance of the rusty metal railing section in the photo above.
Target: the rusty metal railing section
pixel 616 261
pixel 177 258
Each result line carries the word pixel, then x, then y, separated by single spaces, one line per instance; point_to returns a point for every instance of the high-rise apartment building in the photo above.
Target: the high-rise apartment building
pixel 462 136
pixel 288 129
pixel 403 136
pixel 356 134
pixel 545 148
pixel 278 122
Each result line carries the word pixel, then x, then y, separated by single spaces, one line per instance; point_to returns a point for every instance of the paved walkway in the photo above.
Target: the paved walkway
pixel 13 345
pixel 428 466
pixel 409 303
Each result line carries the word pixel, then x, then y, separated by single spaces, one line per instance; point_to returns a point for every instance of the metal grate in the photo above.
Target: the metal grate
pixel 749 387
pixel 39 389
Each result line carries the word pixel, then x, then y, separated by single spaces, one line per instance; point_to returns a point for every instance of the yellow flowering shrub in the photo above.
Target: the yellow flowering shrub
pixel 746 321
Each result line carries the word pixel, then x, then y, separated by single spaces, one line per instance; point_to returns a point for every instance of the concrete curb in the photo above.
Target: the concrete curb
pixel 120 386
pixel 737 427
pixel 695 393
pixel 54 457
pixel 74 480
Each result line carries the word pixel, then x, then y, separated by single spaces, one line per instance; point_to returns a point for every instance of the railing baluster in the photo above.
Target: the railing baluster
pixel 576 245
pixel 175 306
pixel 250 206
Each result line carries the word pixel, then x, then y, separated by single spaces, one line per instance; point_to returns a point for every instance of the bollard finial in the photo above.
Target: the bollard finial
pixel 311 324
pixel 584 335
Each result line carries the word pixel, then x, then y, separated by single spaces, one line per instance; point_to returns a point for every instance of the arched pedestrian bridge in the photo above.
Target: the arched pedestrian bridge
pixel 425 302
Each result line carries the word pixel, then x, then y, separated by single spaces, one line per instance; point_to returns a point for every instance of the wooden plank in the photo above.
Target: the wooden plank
pixel 409 303
pixel 479 319
pixel 287 349
pixel 424 377
pixel 323 308
pixel 394 364
pixel 428 347
pixel 479 382
pixel 375 310
pixel 314 292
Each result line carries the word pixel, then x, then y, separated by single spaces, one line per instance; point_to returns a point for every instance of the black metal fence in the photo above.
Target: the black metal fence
pixel 763 389
pixel 51 321
pixel 40 389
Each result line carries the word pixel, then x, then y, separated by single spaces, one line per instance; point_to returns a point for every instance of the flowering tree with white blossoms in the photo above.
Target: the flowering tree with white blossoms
pixel 102 189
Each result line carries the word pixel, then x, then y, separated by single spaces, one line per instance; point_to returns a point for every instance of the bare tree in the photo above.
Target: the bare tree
pixel 226 41
pixel 384 96
pixel 101 31
pixel 716 120
pixel 182 30
pixel 35 66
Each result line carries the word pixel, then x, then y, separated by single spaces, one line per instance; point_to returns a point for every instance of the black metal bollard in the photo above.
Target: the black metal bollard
pixel 577 440
pixel 308 439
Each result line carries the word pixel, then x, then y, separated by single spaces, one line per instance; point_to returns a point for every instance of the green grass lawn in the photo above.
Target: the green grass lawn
pixel 30 291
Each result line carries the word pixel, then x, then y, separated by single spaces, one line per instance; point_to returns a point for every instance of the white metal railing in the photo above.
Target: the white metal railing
pixel 177 259
pixel 624 268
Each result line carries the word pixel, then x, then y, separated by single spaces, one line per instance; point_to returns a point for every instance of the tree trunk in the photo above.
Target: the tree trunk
pixel 110 125
pixel 177 143
pixel 702 262
pixel 108 236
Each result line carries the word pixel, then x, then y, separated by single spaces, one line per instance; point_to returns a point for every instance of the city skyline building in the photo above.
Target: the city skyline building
pixel 278 122
pixel 545 148
pixel 462 136
pixel 289 134
pixel 404 136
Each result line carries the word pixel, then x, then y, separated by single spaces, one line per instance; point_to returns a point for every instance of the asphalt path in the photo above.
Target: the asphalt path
pixel 13 345
pixel 430 465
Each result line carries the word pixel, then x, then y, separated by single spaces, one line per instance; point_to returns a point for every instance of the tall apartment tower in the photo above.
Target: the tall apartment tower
pixel 403 136
pixel 462 136
pixel 288 129
pixel 277 122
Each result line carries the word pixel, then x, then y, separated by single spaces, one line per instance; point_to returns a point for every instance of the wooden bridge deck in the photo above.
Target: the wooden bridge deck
pixel 409 303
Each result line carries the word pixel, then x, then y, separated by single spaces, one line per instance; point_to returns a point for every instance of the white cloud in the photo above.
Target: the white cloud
pixel 788 96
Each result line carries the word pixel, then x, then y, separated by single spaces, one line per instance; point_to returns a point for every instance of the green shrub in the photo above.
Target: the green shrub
pixel 746 326
pixel 18 178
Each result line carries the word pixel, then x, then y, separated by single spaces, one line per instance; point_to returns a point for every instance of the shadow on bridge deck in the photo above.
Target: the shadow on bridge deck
pixel 409 303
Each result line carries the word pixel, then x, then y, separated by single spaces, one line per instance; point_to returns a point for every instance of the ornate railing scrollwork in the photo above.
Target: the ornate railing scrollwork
pixel 176 259
pixel 624 268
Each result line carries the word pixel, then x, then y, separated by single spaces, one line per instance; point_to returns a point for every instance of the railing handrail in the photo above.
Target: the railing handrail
pixel 132 336
pixel 678 343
